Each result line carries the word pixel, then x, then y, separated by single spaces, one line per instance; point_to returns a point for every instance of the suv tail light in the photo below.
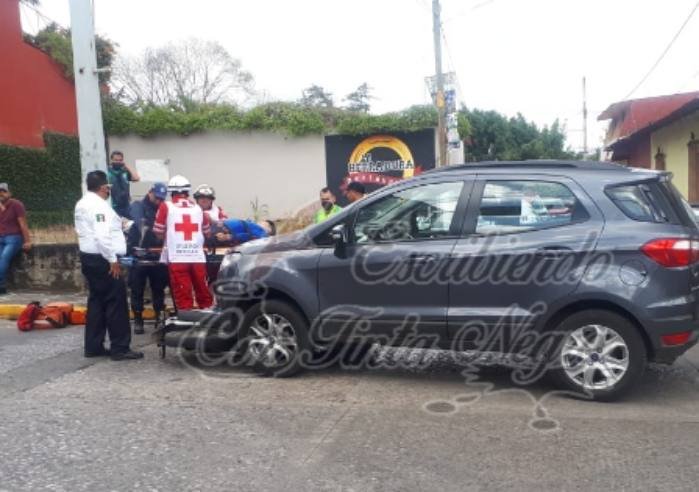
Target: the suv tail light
pixel 672 252
pixel 674 339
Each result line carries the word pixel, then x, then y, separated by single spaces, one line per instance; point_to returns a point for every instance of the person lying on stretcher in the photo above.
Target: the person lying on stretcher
pixel 237 231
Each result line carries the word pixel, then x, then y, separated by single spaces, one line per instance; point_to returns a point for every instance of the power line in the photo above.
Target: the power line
pixel 423 4
pixel 47 20
pixel 32 21
pixel 452 64
pixel 479 5
pixel 665 51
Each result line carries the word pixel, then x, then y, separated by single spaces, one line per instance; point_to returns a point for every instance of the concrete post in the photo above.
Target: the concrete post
pixel 87 92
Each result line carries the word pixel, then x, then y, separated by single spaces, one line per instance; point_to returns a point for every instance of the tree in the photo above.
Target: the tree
pixel 55 41
pixel 182 76
pixel 358 100
pixel 317 97
pixel 490 135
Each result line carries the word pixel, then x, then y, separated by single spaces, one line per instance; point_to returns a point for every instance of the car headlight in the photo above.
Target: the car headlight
pixel 229 259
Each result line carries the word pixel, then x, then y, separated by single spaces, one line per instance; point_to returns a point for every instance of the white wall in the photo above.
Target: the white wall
pixel 283 172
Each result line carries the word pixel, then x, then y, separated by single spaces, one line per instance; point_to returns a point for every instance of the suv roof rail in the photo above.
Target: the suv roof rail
pixel 536 163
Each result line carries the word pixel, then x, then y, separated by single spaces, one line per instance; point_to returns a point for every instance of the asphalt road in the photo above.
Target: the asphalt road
pixel 69 423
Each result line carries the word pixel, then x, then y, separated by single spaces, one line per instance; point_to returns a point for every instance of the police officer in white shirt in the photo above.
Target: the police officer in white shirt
pixel 101 239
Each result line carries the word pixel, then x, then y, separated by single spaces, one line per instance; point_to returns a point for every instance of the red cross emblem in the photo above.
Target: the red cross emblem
pixel 187 227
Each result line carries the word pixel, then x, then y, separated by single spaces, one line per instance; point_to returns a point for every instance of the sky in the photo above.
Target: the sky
pixel 512 56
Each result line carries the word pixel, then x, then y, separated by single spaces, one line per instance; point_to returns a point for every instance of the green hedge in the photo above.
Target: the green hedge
pixel 41 219
pixel 283 117
pixel 46 180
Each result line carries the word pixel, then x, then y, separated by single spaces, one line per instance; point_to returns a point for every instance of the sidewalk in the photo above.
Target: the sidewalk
pixel 12 303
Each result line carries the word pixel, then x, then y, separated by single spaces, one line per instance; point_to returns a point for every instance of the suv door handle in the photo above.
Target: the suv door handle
pixel 553 251
pixel 421 258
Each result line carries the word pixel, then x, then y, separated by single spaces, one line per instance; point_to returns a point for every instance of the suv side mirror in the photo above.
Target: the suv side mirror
pixel 339 234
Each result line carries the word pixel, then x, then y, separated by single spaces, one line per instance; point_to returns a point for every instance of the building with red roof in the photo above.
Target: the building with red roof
pixel 657 133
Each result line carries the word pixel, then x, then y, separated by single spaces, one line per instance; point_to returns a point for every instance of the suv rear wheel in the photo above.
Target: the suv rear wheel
pixel 276 338
pixel 602 354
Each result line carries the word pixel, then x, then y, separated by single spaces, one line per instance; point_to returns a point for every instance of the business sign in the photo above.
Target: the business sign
pixel 377 160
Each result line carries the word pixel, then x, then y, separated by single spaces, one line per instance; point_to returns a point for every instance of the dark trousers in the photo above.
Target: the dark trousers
pixel 157 276
pixel 107 308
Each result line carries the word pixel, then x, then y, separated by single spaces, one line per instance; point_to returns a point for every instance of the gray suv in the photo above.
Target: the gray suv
pixel 588 269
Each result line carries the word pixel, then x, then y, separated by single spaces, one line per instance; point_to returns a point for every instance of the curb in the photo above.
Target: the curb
pixel 12 311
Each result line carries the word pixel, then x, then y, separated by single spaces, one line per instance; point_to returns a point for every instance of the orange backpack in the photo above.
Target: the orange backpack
pixel 52 315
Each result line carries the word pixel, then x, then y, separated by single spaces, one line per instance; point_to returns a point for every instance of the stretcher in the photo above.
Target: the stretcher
pixel 173 328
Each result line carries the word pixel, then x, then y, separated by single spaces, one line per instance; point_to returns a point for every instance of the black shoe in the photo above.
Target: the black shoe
pixel 3 290
pixel 138 325
pixel 128 355
pixel 101 353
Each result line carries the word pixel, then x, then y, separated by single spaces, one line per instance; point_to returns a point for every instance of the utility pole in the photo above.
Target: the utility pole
pixel 439 97
pixel 584 112
pixel 87 93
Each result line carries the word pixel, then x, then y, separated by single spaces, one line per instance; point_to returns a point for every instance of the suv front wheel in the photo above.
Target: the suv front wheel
pixel 601 356
pixel 276 338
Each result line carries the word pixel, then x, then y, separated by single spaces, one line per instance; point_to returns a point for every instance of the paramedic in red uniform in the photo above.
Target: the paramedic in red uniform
pixel 183 224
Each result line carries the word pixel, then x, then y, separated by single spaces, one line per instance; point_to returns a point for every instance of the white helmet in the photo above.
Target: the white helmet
pixel 178 184
pixel 205 191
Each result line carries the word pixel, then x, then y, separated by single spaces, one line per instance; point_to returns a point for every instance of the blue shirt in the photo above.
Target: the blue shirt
pixel 244 230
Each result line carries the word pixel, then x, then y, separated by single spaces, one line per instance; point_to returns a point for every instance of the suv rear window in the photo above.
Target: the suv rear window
pixel 686 213
pixel 643 202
